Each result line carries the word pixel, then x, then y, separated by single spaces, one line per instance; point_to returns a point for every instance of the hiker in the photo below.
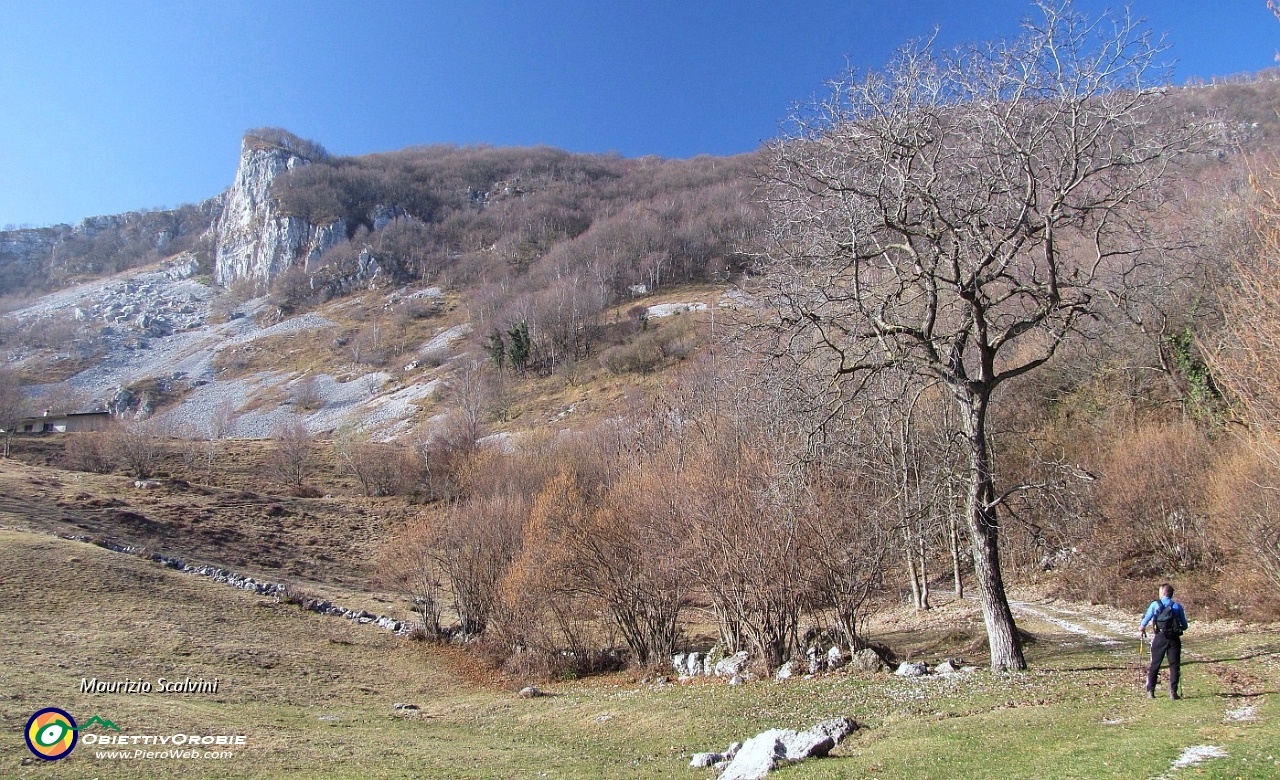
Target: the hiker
pixel 1168 621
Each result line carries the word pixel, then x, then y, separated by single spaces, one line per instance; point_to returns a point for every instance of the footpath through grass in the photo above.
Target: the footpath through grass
pixel 314 697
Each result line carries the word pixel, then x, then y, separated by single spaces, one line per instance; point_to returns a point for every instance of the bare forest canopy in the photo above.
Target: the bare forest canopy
pixel 482 213
pixel 522 207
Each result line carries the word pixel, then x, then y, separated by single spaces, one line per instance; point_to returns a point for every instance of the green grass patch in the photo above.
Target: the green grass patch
pixel 314 696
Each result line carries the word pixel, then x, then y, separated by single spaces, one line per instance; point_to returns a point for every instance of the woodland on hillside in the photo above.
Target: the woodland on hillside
pixel 545 242
pixel 1004 283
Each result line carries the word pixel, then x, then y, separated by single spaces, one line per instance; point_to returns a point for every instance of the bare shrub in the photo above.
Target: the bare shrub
pixel 845 539
pixel 409 563
pixel 627 552
pixel 477 541
pixel 550 624
pixel 138 446
pixel 638 357
pixel 13 404
pixel 291 291
pixel 305 395
pixel 89 451
pixel 1246 505
pixel 1154 497
pixel 674 340
pixel 445 451
pixel 746 552
pixel 292 452
pixel 1244 361
pixel 382 469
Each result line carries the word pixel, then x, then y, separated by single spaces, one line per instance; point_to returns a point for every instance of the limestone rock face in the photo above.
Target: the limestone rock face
pixel 96 244
pixel 253 240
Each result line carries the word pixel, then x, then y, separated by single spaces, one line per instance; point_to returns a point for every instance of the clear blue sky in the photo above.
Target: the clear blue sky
pixel 113 106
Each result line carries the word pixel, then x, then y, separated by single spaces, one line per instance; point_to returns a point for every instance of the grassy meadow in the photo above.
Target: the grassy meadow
pixel 314 695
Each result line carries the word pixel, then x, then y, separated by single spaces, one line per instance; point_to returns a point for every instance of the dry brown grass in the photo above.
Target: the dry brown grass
pixel 309 542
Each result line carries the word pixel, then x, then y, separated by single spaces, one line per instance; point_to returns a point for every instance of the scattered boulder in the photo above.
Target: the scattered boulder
pixel 757 757
pixel 815 663
pixel 867 660
pixel 835 657
pixel 705 760
pixel 909 669
pixel 400 705
pixel 837 728
pixel 732 665
pixel 806 744
pixel 785 671
pixel 687 664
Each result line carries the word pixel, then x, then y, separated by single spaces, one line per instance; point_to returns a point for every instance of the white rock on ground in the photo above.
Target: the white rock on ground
pixel 908 669
pixel 661 310
pixel 757 756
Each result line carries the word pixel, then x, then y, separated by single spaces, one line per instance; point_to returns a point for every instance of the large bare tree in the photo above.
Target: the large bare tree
pixel 14 405
pixel 957 215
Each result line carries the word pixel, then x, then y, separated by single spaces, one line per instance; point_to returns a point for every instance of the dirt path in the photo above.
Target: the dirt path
pixel 1108 631
pixel 1100 629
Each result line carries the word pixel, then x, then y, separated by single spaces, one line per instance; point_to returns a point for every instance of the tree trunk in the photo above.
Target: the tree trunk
pixel 956 573
pixel 924 572
pixel 911 574
pixel 984 533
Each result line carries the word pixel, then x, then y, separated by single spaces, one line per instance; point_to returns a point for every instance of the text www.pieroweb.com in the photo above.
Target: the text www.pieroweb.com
pixel 179 747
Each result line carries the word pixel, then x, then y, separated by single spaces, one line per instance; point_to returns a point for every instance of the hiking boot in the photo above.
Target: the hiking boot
pixel 1172 695
pixel 1151 694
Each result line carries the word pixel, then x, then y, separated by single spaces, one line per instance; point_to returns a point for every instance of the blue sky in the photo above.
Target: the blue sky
pixel 108 107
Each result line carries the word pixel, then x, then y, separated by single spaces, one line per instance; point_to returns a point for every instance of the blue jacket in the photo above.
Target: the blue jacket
pixel 1155 607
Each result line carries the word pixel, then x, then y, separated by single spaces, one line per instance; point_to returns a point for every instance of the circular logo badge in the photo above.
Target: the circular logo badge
pixel 51 733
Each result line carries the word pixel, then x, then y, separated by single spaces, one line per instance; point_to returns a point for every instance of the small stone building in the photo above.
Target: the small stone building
pixel 65 423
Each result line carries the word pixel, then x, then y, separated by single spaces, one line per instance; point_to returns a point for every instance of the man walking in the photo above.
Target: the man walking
pixel 1169 621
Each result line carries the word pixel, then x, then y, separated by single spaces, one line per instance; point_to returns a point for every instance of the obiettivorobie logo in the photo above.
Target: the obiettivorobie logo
pixel 52 733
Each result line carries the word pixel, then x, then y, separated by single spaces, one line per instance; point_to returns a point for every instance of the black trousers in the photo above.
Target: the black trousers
pixel 1163 647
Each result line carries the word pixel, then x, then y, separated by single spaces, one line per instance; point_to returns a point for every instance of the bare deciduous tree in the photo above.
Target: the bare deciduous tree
pixel 477 543
pixel 13 405
pixel 410 564
pixel 139 445
pixel 290 458
pixel 958 215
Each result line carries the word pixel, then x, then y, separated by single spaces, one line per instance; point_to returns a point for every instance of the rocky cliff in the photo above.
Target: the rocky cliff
pixel 42 259
pixel 252 239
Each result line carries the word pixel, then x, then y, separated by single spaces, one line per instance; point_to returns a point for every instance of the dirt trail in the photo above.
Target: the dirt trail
pixel 1099 629
pixel 1119 638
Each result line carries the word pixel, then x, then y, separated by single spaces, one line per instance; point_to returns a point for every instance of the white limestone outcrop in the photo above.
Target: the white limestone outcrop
pixel 253 239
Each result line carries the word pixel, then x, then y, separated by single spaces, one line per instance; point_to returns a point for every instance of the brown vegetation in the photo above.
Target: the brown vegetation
pixel 698 497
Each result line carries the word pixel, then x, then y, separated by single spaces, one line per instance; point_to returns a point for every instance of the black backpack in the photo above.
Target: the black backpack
pixel 1166 620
